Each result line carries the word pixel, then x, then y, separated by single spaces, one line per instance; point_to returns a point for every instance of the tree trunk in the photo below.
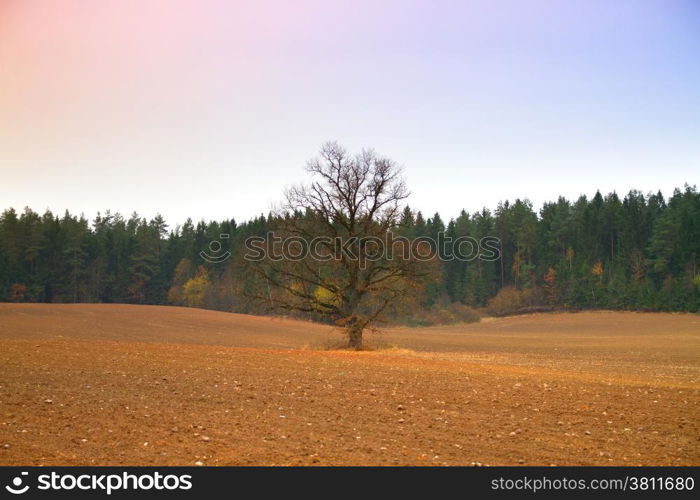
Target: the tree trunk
pixel 355 336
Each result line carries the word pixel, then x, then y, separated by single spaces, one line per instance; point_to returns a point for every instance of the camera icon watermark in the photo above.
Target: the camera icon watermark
pixel 216 253
pixel 16 488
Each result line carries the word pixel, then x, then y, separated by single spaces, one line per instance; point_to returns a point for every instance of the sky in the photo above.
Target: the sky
pixel 210 109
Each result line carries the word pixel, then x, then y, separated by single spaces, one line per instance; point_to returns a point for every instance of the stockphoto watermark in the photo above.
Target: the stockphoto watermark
pixel 97 482
pixel 356 248
pixel 364 249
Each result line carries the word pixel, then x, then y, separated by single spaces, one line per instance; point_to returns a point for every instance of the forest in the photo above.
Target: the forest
pixel 603 252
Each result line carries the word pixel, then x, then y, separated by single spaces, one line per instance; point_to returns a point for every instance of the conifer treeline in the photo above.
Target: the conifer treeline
pixel 638 253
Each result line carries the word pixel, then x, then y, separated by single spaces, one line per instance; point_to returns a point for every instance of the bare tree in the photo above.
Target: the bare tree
pixel 346 265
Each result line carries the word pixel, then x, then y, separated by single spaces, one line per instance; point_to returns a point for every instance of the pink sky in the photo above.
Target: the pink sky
pixel 210 108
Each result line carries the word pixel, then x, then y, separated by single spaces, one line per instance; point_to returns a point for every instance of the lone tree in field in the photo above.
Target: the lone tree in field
pixel 339 258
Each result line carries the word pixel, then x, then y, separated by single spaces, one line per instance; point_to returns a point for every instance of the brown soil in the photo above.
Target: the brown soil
pixel 146 385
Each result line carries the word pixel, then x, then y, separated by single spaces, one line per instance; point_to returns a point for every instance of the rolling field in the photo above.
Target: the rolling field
pixel 148 385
